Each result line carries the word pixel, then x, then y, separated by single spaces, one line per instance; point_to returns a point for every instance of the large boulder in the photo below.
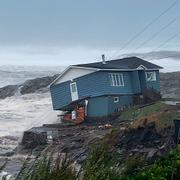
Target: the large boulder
pixel 33 138
pixel 8 91
pixel 31 86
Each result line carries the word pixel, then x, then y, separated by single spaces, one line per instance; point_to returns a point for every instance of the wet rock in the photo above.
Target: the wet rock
pixel 12 168
pixel 8 91
pixel 157 141
pixel 33 138
pixel 30 86
pixel 70 146
pixel 81 159
pixel 6 153
pixel 140 146
pixel 151 155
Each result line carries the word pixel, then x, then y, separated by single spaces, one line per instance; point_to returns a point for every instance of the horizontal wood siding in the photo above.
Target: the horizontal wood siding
pixel 60 95
pixel 98 83
pixel 98 107
pixel 105 105
pixel 125 100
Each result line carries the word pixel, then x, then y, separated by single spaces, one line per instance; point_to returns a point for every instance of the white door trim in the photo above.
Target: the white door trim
pixel 74 91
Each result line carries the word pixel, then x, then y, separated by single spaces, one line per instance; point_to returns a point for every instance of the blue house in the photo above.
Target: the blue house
pixel 104 88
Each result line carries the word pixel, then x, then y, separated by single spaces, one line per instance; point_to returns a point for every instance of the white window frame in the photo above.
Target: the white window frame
pixel 116 99
pixel 153 73
pixel 116 79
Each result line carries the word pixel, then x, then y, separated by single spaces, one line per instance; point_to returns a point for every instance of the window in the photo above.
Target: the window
pixel 116 79
pixel 116 99
pixel 73 87
pixel 74 91
pixel 151 76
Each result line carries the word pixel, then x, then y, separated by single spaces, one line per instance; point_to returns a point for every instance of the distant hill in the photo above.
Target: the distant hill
pixel 169 60
pixel 170 85
pixel 156 55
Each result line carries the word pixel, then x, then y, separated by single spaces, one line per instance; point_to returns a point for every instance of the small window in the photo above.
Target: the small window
pixel 116 79
pixel 151 76
pixel 73 87
pixel 116 99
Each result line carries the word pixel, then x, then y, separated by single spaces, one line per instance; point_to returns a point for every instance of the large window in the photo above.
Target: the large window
pixel 116 79
pixel 151 76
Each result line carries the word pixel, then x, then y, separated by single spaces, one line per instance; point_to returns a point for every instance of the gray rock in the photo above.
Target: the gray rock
pixel 33 138
pixel 8 91
pixel 151 154
pixel 30 86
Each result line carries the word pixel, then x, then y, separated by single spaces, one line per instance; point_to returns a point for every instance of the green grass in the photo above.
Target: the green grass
pixel 136 112
pixel 165 122
pixel 100 165
pixel 103 160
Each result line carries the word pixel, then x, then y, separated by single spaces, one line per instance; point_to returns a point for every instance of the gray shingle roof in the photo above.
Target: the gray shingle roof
pixel 125 63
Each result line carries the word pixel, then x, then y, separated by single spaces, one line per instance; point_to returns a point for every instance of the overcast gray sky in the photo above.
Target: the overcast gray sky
pixel 58 32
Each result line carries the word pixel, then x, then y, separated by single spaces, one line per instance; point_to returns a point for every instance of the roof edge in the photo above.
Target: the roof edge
pixel 66 69
pixel 157 66
pixel 123 69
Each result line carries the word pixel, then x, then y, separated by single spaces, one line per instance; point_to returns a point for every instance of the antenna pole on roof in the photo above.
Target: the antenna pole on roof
pixel 103 59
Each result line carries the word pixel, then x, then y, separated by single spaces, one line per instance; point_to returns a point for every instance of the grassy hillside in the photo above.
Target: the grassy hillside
pixel 142 149
pixel 137 112
pixel 134 153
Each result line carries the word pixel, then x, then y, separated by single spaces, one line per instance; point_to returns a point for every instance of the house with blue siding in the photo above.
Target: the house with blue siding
pixel 104 88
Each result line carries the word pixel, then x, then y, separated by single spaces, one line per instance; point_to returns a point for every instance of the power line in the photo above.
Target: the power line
pixel 165 42
pixel 162 44
pixel 146 27
pixel 158 32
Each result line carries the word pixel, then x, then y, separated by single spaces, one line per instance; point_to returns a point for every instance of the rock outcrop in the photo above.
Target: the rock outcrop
pixel 29 86
pixel 8 91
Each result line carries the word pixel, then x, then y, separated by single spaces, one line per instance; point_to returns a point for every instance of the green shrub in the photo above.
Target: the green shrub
pixel 43 169
pixel 100 165
pixel 166 168
pixel 63 170
pixel 133 164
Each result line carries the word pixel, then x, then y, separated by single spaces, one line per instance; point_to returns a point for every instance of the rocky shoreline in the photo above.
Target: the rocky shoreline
pixel 19 156
pixel 141 137
pixel 72 140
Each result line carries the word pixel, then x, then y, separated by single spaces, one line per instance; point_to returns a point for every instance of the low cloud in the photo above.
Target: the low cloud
pixel 60 56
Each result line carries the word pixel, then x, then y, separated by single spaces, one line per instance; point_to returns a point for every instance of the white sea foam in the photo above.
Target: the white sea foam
pixel 19 113
pixel 19 74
